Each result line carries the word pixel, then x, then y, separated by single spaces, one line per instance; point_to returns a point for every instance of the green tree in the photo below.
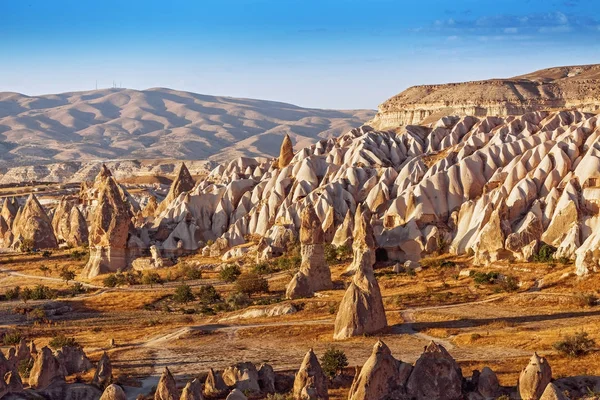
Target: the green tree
pixel 208 294
pixel 183 294
pixel 67 275
pixel 152 278
pixel 251 283
pixel 230 273
pixel 333 362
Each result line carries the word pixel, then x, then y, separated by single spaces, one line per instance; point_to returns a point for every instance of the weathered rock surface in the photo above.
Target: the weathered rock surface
pixel 78 229
pixel 436 375
pixel 236 394
pixel 109 229
pixel 381 377
pixel 266 378
pixel 182 183
pixel 46 370
pixel 242 376
pixel 314 274
pixel 310 379
pixel 32 224
pixel 488 385
pixel 552 393
pixel 113 392
pixel 73 359
pixel 103 374
pixel 214 384
pixel 361 310
pixel 286 153
pixel 166 388
pixel 534 378
pixel 192 391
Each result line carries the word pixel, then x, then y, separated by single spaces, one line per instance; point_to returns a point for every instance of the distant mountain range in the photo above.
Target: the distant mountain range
pixel 159 123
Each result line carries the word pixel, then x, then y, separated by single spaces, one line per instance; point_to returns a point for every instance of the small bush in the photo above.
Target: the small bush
pixel 13 294
pixel 544 253
pixel 78 255
pixel 262 269
pixel 251 283
pixel 237 300
pixel 152 278
pixel 509 284
pixel 333 362
pixel 575 345
pixel 488 278
pixel 46 254
pixel 586 299
pixel 190 272
pixel 475 336
pixel 27 246
pixel 183 294
pixel 67 275
pixel 61 340
pixel 230 273
pixel 37 314
pixel 12 338
pixel 110 281
pixel 208 294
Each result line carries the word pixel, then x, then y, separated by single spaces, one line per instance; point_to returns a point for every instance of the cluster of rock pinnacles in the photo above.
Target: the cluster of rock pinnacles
pixel 435 375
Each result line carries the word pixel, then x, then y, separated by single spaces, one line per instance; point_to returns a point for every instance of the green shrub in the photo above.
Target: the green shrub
pixel 190 272
pixel 77 288
pixel 152 278
pixel 230 273
pixel 67 275
pixel 251 283
pixel 333 362
pixel 61 340
pixel 237 300
pixel 78 255
pixel 110 281
pixel 46 254
pixel 575 345
pixel 27 246
pixel 12 338
pixel 509 283
pixel 13 294
pixel 262 269
pixel 208 294
pixel 544 253
pixel 37 314
pixel 488 278
pixel 183 294
pixel 587 299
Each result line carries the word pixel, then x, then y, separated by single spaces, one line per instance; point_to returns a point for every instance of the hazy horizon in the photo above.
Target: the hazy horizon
pixel 326 54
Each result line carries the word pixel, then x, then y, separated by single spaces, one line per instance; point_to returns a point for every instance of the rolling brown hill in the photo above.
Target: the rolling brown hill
pixel 156 124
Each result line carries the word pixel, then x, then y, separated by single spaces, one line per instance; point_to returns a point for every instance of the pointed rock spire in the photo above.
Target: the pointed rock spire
pixel 436 375
pixel 61 220
pixel 182 183
pixel 78 229
pixel 32 224
pixel 109 230
pixel 553 393
pixel 46 370
pixel 214 384
pixel 192 391
pixel 10 207
pixel 381 377
pixel 103 374
pixel 167 388
pixel 310 379
pixel 534 378
pixel 361 310
pixel 286 153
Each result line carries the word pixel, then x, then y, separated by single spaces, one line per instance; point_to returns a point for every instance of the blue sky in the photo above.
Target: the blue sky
pixel 314 53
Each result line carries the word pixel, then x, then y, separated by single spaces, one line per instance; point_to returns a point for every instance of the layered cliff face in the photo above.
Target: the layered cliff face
pixel 550 89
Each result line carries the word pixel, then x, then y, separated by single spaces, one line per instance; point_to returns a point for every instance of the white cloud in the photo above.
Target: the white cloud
pixel 511 30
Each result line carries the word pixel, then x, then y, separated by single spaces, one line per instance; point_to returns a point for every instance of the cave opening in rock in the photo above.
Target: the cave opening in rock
pixel 381 254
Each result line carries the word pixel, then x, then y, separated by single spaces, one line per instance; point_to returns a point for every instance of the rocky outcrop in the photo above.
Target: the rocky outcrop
pixel 32 225
pixel 103 374
pixel 78 229
pixel 242 376
pixel 109 229
pixel 266 379
pixel 214 384
pixel 487 384
pixel 361 310
pixel 381 377
pixel 166 388
pixel 10 207
pixel 114 392
pixel 14 384
pixel 310 381
pixel 534 378
pixel 73 359
pixel 541 90
pixel 343 234
pixel 61 219
pixel 436 375
pixel 552 393
pixel 46 370
pixel 236 394
pixel 314 274
pixel 192 391
pixel 182 183
pixel 286 153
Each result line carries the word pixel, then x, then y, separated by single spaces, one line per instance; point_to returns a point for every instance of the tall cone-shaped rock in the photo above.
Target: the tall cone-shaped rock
pixel 32 224
pixel 46 370
pixel 534 378
pixel 10 207
pixel 361 310
pixel 109 231
pixel 436 375
pixel 113 392
pixel 382 376
pixel 182 183
pixel 150 208
pixel 192 391
pixel 286 153
pixel 61 221
pixel 362 228
pixel 166 389
pixel 103 374
pixel 78 228
pixel 314 274
pixel 343 234
pixel 214 384
pixel 310 381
